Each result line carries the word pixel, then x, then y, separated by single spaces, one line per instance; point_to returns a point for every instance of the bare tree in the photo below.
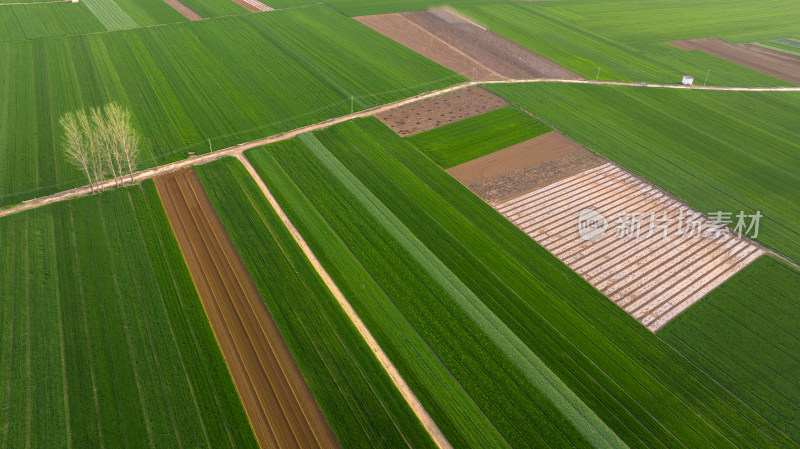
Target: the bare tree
pixel 130 149
pixel 107 143
pixel 75 145
pixel 102 141
pixel 127 140
pixel 93 146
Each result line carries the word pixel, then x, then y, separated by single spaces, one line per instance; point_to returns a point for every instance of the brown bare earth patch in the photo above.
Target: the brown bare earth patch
pixel 183 9
pixel 767 63
pixel 439 111
pixel 278 402
pixel 404 31
pixel 464 46
pixel 778 54
pixel 524 167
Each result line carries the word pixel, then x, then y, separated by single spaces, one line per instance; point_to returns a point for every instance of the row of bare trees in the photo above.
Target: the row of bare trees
pixel 102 142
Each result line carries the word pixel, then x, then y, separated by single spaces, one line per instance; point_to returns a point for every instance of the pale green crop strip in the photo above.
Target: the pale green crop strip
pixel 110 14
pixel 578 413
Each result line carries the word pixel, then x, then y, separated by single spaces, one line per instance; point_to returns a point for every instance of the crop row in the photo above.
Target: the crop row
pixel 196 86
pixel 478 136
pixel 644 390
pixel 697 145
pixel 107 340
pixel 359 401
pixel 745 333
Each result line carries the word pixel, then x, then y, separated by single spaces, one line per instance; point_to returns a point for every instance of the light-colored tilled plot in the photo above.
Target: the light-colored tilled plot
pixel 277 400
pixel 654 276
pixel 254 5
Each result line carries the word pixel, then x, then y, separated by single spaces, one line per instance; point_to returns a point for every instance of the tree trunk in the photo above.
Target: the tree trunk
pixel 89 177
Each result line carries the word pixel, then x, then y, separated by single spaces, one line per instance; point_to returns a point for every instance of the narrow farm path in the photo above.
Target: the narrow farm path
pixel 412 400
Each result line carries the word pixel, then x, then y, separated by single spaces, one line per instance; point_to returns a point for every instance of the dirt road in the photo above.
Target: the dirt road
pixel 239 149
pixel 278 402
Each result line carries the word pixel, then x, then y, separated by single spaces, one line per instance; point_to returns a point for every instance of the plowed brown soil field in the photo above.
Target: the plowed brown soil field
pixel 183 9
pixel 278 402
pixel 439 111
pixel 464 47
pixel 524 167
pixel 780 67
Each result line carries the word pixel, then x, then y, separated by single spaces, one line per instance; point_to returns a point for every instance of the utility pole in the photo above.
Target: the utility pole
pixel 209 146
pixel 706 80
pixel 597 78
pixel 351 104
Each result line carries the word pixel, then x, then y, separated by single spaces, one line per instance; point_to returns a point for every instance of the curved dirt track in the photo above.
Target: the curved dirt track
pixel 278 402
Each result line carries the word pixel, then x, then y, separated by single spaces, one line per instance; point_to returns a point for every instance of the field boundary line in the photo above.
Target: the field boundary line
pixel 397 379
pixel 123 318
pixel 27 333
pixel 61 336
pixel 5 407
pixel 74 247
